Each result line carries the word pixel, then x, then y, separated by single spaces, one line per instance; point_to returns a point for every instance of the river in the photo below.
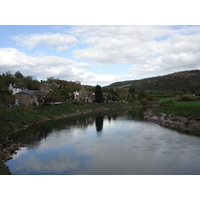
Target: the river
pixel 117 143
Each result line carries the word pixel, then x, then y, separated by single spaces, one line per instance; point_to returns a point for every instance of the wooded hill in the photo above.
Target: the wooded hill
pixel 179 81
pixel 61 89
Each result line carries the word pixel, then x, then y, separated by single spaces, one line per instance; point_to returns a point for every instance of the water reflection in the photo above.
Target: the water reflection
pixel 99 122
pixel 128 145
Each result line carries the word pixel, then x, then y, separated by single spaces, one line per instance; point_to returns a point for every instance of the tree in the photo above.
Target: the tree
pixel 121 94
pixel 144 97
pixel 132 90
pixel 6 98
pixel 141 94
pixel 19 75
pixel 144 101
pixel 109 97
pixel 8 73
pixel 98 94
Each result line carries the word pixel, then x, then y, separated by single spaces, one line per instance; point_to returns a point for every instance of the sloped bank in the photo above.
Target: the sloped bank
pixel 183 124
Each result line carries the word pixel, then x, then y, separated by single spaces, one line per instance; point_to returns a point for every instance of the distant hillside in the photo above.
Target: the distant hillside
pixel 179 81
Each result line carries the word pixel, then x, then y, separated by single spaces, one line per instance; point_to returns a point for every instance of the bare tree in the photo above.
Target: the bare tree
pixel 83 94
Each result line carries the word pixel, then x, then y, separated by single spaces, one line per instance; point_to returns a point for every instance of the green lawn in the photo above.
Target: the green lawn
pixel 166 99
pixel 181 108
pixel 188 104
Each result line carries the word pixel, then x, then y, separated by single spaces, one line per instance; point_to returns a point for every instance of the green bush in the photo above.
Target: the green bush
pixel 77 103
pixel 131 99
pixel 186 98
pixel 144 101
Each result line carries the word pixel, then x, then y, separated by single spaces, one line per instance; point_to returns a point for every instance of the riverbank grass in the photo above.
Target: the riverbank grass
pixel 180 108
pixel 3 168
pixel 15 119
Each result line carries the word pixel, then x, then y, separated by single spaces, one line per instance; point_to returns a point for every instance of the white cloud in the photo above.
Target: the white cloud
pixel 147 50
pixel 59 41
pixel 36 165
pixel 50 66
pixel 167 64
pixel 151 50
pixel 116 44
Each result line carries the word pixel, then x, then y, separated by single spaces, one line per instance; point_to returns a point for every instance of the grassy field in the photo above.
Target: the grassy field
pixel 181 108
pixel 166 99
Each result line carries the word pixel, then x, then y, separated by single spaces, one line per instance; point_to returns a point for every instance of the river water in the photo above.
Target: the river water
pixel 105 144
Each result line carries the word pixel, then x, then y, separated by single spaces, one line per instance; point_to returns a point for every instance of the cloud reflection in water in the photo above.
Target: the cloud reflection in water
pixel 126 146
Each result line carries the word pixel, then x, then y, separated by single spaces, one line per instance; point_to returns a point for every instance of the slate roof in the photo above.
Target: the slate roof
pixel 18 86
pixel 31 92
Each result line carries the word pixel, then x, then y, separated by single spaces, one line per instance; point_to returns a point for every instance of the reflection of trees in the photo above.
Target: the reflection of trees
pixel 36 133
pixel 40 131
pixel 99 122
pixel 136 114
pixel 114 116
pixel 84 122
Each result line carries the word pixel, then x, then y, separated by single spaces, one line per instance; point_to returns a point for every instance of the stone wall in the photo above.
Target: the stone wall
pixel 23 98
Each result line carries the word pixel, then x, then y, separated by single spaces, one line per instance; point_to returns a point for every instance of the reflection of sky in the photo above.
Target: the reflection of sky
pixel 125 147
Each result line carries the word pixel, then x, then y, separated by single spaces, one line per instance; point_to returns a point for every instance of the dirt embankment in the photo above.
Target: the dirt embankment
pixel 183 124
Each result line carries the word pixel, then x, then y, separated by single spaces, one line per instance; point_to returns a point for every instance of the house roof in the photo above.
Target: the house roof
pixel 18 86
pixel 31 92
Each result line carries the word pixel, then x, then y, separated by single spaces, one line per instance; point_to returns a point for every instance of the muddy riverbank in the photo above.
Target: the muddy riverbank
pixel 183 124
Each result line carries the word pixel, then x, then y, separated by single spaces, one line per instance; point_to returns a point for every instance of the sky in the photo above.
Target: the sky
pixel 98 54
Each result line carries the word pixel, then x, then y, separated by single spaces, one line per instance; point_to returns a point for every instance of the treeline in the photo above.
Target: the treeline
pixel 130 95
pixel 144 90
pixel 186 81
pixel 18 79
pixel 61 89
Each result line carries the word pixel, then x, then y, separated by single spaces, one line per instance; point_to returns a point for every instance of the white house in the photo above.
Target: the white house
pixel 76 95
pixel 16 88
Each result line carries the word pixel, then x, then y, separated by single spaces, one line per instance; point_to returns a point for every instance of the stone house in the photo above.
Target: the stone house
pixel 28 97
pixel 46 88
pixel 16 88
pixel 84 95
